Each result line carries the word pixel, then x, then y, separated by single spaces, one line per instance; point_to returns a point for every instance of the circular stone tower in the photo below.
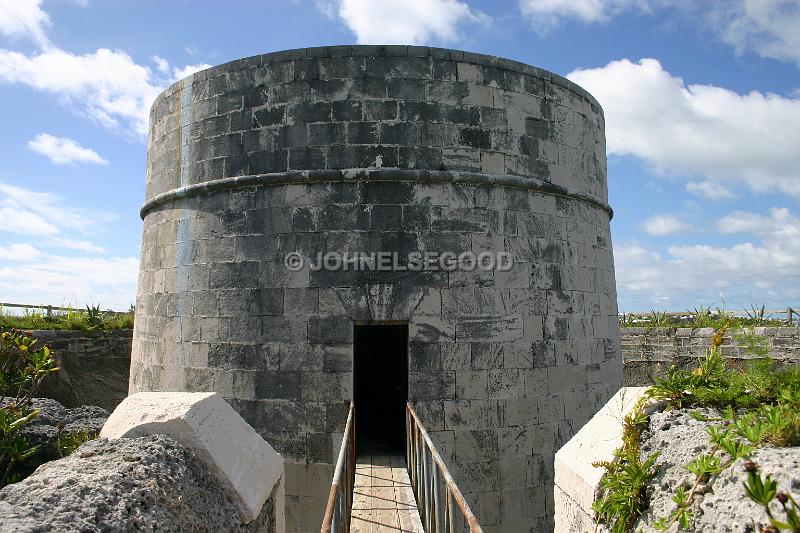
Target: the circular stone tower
pixel 395 150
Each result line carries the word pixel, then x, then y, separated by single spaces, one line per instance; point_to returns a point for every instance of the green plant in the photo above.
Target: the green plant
pixel 69 441
pixel 94 317
pixel 623 485
pixel 701 316
pixel 756 314
pixel 23 367
pixel 763 491
pixel 659 319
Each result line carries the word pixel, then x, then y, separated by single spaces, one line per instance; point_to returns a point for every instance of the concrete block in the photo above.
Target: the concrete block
pixel 576 480
pixel 246 465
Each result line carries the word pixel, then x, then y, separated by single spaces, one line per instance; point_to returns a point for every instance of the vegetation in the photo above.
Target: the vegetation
pixel 69 441
pixel 89 319
pixel 763 491
pixel 624 483
pixel 23 367
pixel 702 317
pixel 760 403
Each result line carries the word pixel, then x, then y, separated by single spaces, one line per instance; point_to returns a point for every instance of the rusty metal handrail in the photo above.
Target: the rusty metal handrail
pixel 433 485
pixel 340 500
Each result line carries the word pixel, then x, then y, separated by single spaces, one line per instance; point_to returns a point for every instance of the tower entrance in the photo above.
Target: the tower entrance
pixel 380 387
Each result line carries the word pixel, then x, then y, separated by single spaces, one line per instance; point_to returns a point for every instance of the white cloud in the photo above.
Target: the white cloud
pixel 180 73
pixel 780 221
pixel 76 281
pixel 407 22
pixel 106 85
pixel 545 15
pixel 710 190
pixel 769 27
pixel 16 220
pixel 37 213
pixel 763 268
pixel 35 274
pixel 19 252
pixel 63 150
pixel 161 64
pixel 24 19
pixel 698 130
pixel 327 8
pixel 76 244
pixel 660 225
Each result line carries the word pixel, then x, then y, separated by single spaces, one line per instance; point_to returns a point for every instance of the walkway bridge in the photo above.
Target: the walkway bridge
pixel 392 493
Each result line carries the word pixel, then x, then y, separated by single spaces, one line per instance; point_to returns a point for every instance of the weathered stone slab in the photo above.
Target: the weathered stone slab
pixel 203 422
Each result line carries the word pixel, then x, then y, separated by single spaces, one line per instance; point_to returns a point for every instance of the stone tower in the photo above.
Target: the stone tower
pixel 398 149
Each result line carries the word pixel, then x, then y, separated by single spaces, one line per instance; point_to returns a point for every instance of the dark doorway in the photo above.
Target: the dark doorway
pixel 380 387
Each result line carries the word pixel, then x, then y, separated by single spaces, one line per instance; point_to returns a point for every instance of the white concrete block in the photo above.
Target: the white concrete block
pixel 246 465
pixel 576 480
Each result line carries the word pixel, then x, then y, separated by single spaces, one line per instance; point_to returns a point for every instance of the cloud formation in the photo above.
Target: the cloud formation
pixel 771 28
pixel 698 130
pixel 660 225
pixel 30 212
pixel 40 271
pixel 710 190
pixel 107 86
pixel 407 22
pixel 768 28
pixel 77 281
pixel 24 19
pixel 63 150
pixel 544 15
pixel 760 269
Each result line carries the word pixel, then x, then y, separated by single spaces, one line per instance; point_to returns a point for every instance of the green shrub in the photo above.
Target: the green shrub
pixel 23 367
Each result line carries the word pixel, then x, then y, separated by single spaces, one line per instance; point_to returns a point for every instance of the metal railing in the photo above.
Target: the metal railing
pixel 340 501
pixel 433 485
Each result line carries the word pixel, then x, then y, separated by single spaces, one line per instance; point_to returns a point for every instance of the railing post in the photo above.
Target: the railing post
pixel 433 485
pixel 340 499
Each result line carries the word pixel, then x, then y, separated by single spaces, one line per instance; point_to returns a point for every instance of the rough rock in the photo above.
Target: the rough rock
pixel 44 428
pixel 148 483
pixel 52 414
pixel 246 465
pixel 722 506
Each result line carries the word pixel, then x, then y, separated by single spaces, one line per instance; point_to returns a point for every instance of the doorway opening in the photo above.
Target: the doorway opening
pixel 380 387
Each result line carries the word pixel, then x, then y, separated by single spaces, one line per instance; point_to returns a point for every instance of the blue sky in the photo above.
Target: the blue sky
pixel 702 104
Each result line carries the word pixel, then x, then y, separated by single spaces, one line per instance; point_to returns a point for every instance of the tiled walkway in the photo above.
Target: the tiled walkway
pixel 383 501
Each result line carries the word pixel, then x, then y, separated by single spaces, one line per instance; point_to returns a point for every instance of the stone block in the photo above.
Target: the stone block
pixel 247 466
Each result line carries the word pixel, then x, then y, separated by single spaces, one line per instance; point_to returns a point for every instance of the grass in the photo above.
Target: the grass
pixel 89 319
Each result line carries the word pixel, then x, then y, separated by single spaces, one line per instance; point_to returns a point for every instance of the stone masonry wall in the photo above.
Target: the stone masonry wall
pixel 94 366
pixel 370 149
pixel 649 352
